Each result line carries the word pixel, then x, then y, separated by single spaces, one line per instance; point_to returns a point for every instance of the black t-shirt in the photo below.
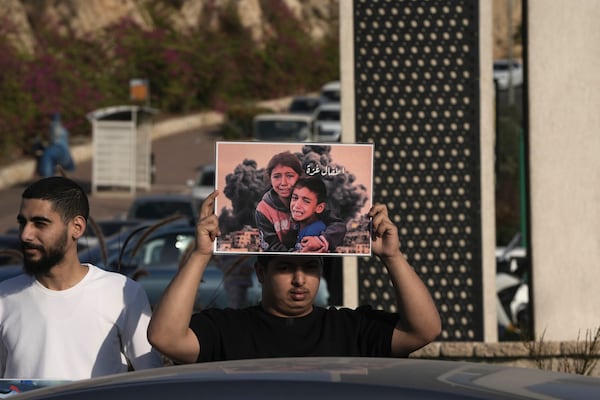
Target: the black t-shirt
pixel 232 334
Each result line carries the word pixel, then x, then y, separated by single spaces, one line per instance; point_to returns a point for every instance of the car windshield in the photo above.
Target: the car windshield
pixel 328 115
pixel 281 130
pixel 206 178
pixel 304 105
pixel 501 66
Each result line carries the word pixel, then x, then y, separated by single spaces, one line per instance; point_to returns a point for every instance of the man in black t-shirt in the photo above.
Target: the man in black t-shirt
pixel 286 323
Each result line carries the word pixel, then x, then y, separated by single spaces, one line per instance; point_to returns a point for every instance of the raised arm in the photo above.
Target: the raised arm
pixel 169 330
pixel 419 322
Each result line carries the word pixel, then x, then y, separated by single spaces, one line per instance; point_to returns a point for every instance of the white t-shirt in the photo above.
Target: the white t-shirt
pixel 88 330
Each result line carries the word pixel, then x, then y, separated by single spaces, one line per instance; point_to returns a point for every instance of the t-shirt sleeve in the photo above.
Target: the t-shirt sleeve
pixel 376 328
pixel 134 338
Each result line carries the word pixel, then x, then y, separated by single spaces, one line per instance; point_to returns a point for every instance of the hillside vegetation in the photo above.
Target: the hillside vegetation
pixel 219 62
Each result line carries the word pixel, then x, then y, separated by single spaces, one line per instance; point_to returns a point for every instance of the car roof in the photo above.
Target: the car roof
pixel 331 377
pixel 329 106
pixel 333 85
pixel 282 117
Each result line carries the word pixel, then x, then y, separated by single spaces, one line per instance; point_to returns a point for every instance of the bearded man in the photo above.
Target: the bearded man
pixel 61 319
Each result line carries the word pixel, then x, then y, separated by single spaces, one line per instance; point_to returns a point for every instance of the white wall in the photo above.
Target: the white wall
pixel 487 139
pixel 348 131
pixel 564 109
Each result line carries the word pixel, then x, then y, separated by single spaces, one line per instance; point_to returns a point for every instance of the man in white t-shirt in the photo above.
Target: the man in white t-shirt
pixel 62 319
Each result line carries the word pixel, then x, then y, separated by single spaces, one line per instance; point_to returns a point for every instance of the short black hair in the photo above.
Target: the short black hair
pixel 67 197
pixel 315 185
pixel 264 260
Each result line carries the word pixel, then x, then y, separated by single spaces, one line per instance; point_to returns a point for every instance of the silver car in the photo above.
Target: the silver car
pixel 327 126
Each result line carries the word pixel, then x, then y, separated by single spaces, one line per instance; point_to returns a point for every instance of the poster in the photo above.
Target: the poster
pixel 301 198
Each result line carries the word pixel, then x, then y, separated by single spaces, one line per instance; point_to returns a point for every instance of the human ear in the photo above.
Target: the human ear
pixel 320 208
pixel 78 225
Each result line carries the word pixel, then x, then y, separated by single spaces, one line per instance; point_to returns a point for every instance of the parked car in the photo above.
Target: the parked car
pixel 304 104
pixel 160 206
pixel 331 92
pixel 108 228
pixel 347 378
pixel 10 270
pixel 512 292
pixel 154 259
pixel 282 127
pixel 204 184
pixel 10 249
pixel 504 70
pixel 327 126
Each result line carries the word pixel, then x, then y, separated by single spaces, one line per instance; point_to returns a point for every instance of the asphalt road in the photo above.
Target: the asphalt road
pixel 177 157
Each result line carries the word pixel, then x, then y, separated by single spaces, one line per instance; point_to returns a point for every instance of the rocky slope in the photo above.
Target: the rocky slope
pixel 83 17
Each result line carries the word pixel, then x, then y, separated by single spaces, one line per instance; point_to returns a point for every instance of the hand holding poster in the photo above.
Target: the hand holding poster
pixel 294 197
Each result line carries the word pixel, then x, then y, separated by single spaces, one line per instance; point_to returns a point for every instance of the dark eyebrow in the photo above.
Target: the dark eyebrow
pixel 39 218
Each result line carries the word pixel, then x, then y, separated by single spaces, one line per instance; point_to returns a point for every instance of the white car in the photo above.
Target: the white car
pixel 327 126
pixel 503 69
pixel 282 127
pixel 331 92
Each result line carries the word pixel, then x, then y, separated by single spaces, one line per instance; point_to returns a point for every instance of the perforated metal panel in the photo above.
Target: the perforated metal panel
pixel 417 100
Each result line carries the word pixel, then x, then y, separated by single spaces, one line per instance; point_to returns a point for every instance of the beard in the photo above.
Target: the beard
pixel 49 257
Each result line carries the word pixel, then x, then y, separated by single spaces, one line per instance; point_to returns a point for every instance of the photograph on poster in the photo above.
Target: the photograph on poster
pixel 287 197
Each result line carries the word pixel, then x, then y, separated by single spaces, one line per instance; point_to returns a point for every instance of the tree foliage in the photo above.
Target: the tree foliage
pixel 187 70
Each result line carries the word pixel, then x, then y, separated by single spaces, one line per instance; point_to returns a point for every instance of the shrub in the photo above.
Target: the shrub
pixel 187 70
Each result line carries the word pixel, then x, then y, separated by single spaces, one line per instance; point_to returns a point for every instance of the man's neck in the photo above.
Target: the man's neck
pixel 63 276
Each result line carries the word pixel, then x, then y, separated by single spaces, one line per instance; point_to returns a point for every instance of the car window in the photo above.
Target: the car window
pixel 328 115
pixel 278 130
pixel 304 105
pixel 206 178
pixel 503 66
pixel 163 252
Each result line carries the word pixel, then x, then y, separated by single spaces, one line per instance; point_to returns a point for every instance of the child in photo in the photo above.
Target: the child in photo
pixel 308 202
pixel 277 228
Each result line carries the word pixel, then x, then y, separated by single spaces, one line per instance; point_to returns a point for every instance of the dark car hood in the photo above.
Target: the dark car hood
pixel 347 378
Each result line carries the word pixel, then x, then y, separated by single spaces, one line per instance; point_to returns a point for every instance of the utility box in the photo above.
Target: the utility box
pixel 122 148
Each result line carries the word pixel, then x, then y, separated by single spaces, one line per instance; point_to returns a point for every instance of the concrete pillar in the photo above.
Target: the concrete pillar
pixel 563 63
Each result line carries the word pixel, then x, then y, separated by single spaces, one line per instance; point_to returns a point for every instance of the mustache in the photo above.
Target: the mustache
pixel 31 246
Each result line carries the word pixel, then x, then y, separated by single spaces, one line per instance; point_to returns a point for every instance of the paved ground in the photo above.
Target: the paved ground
pixel 177 156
